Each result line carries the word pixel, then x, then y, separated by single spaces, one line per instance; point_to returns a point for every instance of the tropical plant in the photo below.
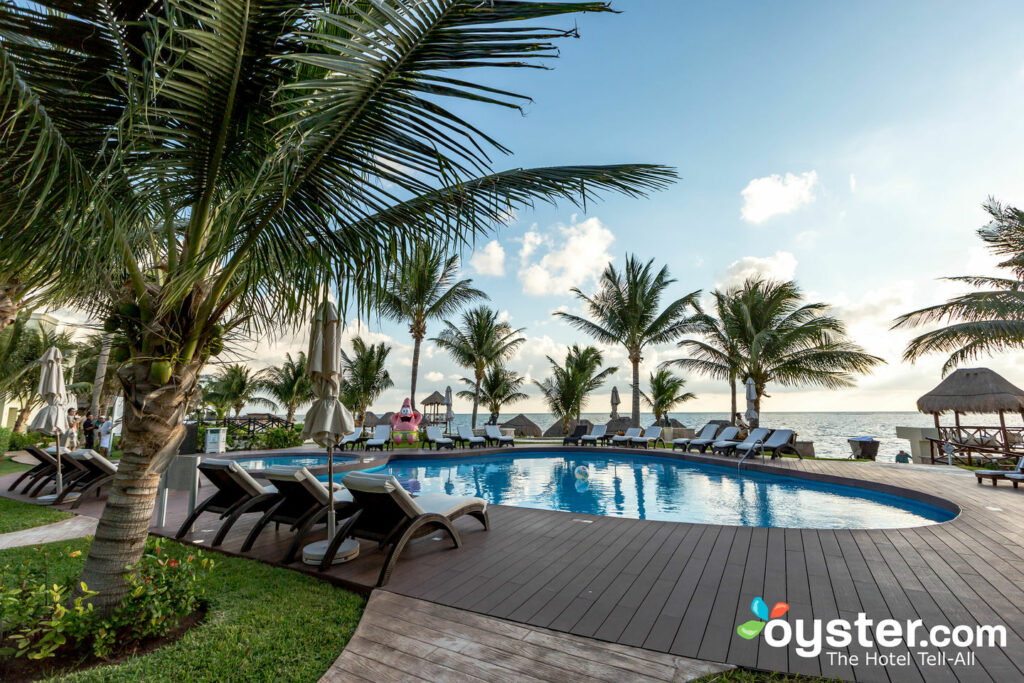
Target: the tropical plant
pixel 483 341
pixel 984 322
pixel 566 390
pixel 500 387
pixel 784 340
pixel 189 169
pixel 365 376
pixel 237 385
pixel 627 310
pixel 289 384
pixel 665 393
pixel 421 288
pixel 22 344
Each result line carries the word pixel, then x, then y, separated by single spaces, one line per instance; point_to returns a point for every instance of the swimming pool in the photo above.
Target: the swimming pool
pixel 311 460
pixel 646 487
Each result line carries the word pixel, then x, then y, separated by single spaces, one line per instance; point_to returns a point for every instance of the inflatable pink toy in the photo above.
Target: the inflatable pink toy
pixel 405 424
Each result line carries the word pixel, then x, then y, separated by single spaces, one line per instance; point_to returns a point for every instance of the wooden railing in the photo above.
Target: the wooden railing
pixel 252 424
pixel 972 453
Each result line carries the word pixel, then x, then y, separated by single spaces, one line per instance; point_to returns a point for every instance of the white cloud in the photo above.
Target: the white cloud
pixel 576 256
pixel 434 376
pixel 531 240
pixel 775 195
pixel 853 183
pixel 490 260
pixel 779 266
pixel 504 316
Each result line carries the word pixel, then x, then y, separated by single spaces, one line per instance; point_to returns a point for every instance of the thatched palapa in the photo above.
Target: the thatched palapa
pixel 558 429
pixel 972 390
pixel 435 399
pixel 523 425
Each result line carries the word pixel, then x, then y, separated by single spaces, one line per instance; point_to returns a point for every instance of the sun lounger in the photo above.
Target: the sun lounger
pixel 438 440
pixel 350 439
pixel 627 437
pixel 237 493
pixel 45 470
pixel 391 517
pixel 599 434
pixel 467 438
pixel 99 472
pixel 995 475
pixel 727 434
pixel 578 433
pixel 755 444
pixel 780 441
pixel 302 503
pixel 708 432
pixel 650 438
pixel 493 435
pixel 727 447
pixel 381 438
pixel 71 470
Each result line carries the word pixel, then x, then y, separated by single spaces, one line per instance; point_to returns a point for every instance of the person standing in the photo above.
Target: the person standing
pixel 105 429
pixel 69 440
pixel 89 431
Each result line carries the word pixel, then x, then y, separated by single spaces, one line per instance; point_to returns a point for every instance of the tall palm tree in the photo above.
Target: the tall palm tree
pixel 665 393
pixel 716 354
pixel 984 322
pixel 500 387
pixel 784 340
pixel 365 376
pixel 289 384
pixel 421 288
pixel 190 170
pixel 569 385
pixel 480 343
pixel 627 310
pixel 238 385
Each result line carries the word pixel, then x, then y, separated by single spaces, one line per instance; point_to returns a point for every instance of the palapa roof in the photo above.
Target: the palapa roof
pixel 371 420
pixel 435 399
pixel 972 390
pixel 523 425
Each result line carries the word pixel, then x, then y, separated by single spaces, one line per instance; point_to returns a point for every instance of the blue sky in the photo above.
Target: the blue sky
pixel 847 145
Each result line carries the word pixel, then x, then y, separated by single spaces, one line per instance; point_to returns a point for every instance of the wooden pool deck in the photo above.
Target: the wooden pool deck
pixel 681 589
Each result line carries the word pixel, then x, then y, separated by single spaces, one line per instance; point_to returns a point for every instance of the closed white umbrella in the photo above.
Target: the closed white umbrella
pixel 751 413
pixel 327 421
pixel 53 417
pixel 449 414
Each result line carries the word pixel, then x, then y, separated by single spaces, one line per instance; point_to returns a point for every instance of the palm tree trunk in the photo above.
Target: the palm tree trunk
pixel 101 374
pixel 635 418
pixel 734 409
pixel 19 422
pixel 476 397
pixel 152 430
pixel 417 340
pixel 291 413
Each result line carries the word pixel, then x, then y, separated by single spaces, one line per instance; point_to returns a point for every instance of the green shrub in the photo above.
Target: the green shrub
pixel 19 440
pixel 5 440
pixel 38 623
pixel 277 437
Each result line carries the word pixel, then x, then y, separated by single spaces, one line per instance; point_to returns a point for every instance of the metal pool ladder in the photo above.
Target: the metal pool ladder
pixel 759 442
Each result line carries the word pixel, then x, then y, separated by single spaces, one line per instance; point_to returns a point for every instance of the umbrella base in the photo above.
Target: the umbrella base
pixel 51 497
pixel 314 552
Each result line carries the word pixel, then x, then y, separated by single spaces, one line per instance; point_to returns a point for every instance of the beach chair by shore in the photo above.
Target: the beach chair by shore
pixel 781 441
pixel 467 438
pixel 995 475
pixel 392 518
pixel 707 432
pixel 237 494
pixel 599 434
pixel 435 439
pixel 578 432
pixel 756 436
pixel 625 439
pixel 727 434
pixel 650 438
pixel 493 436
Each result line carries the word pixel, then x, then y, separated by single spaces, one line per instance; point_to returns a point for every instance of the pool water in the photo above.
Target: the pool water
pixel 646 487
pixel 288 461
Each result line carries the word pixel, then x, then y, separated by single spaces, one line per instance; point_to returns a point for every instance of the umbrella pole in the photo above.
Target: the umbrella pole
pixel 60 468
pixel 330 494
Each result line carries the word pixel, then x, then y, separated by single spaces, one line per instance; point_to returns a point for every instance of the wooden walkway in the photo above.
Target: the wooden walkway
pixel 682 589
pixel 404 639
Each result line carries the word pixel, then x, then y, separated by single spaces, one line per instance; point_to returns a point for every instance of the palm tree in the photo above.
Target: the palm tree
pixel 666 392
pixel 482 342
pixel 189 170
pixel 500 387
pixel 365 376
pixel 289 383
pixel 569 385
pixel 237 385
pixel 22 344
pixel 625 311
pixel 422 288
pixel 781 339
pixel 717 354
pixel 984 322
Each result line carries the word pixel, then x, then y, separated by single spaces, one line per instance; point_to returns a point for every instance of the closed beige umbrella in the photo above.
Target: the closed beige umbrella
pixel 53 417
pixel 327 421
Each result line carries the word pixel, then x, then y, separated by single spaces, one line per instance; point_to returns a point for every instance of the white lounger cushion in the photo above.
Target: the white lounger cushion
pixel 434 434
pixel 598 433
pixel 466 434
pixel 630 433
pixel 493 432
pixel 241 477
pixel 438 503
pixel 314 485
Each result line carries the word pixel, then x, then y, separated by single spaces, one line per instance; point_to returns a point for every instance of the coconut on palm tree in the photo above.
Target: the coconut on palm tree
pixel 983 322
pixel 500 387
pixel 570 384
pixel 627 310
pixel 191 170
pixel 666 391
pixel 423 287
pixel 238 385
pixel 289 384
pixel 481 342
pixel 364 376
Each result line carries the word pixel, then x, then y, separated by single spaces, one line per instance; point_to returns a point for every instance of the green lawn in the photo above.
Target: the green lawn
pixel 264 624
pixel 16 515
pixel 7 466
pixel 751 676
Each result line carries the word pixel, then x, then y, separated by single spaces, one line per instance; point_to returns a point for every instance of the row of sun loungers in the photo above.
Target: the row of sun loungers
pixel 723 440
pixel 82 471
pixel 634 436
pixel 372 506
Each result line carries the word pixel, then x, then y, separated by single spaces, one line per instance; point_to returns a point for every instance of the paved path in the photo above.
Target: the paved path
pixel 64 530
pixel 403 639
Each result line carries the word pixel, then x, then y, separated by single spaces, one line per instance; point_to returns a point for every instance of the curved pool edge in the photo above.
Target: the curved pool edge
pixel 381 459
